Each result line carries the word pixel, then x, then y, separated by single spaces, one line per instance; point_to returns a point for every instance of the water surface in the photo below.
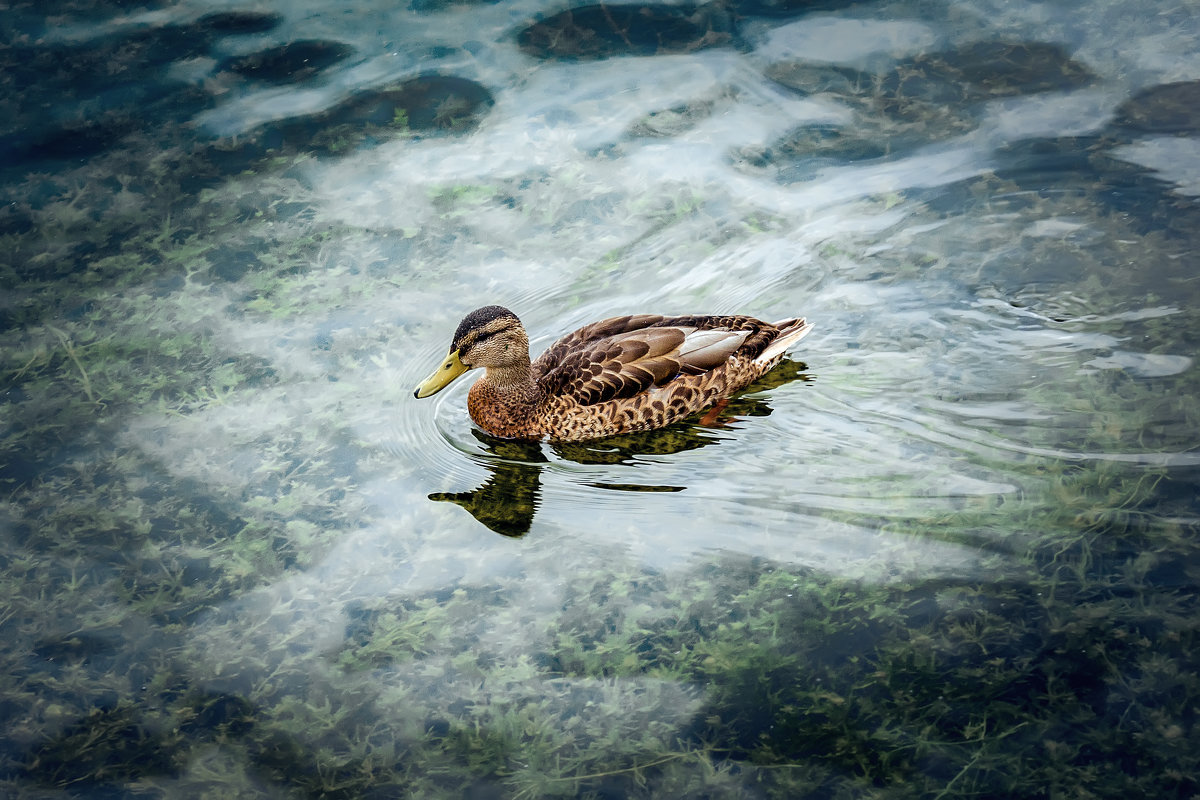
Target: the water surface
pixel 948 550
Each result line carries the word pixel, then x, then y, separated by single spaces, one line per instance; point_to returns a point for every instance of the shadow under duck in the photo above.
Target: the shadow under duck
pixel 623 374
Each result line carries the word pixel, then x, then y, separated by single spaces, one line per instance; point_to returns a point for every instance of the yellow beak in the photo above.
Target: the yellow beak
pixel 450 369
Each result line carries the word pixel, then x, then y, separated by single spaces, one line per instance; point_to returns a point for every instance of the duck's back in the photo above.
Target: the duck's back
pixel 646 371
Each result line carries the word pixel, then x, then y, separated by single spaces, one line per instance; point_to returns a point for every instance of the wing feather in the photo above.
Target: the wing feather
pixel 625 356
pixel 705 350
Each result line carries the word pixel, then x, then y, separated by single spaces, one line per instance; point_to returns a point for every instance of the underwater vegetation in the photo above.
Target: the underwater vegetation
pixel 1167 108
pixel 68 100
pixel 1067 666
pixel 288 63
pixel 602 31
pixel 919 101
pixel 73 101
pixel 605 30
pixel 1070 669
pixel 427 104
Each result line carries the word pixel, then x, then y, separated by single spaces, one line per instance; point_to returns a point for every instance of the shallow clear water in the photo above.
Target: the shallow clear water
pixel 948 550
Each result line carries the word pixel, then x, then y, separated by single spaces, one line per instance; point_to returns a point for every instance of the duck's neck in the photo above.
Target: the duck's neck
pixel 504 400
pixel 517 378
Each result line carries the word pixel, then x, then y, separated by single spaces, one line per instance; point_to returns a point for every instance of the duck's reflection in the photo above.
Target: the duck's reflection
pixel 508 500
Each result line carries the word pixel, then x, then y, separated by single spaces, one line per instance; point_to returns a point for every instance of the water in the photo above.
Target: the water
pixel 948 550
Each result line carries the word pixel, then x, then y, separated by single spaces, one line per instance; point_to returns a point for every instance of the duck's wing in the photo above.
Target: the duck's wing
pixel 621 357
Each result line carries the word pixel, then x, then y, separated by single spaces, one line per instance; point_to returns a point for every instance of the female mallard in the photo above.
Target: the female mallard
pixel 622 374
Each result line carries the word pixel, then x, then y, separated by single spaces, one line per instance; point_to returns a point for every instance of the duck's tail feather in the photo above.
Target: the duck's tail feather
pixel 790 332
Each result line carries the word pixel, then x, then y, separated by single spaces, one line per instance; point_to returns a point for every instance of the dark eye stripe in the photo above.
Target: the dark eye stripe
pixel 477 336
pixel 485 335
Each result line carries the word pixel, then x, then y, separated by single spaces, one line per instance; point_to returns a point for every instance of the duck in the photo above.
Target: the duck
pixel 620 375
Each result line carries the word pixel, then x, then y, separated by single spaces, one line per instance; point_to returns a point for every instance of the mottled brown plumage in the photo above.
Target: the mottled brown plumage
pixel 621 374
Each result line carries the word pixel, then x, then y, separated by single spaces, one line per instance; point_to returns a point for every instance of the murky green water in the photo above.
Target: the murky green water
pixel 950 550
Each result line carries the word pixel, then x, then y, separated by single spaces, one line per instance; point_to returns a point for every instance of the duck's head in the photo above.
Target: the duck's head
pixel 491 336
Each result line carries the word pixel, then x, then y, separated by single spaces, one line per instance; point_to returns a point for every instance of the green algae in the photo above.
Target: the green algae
pixel 603 31
pixel 815 686
pixel 1069 670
